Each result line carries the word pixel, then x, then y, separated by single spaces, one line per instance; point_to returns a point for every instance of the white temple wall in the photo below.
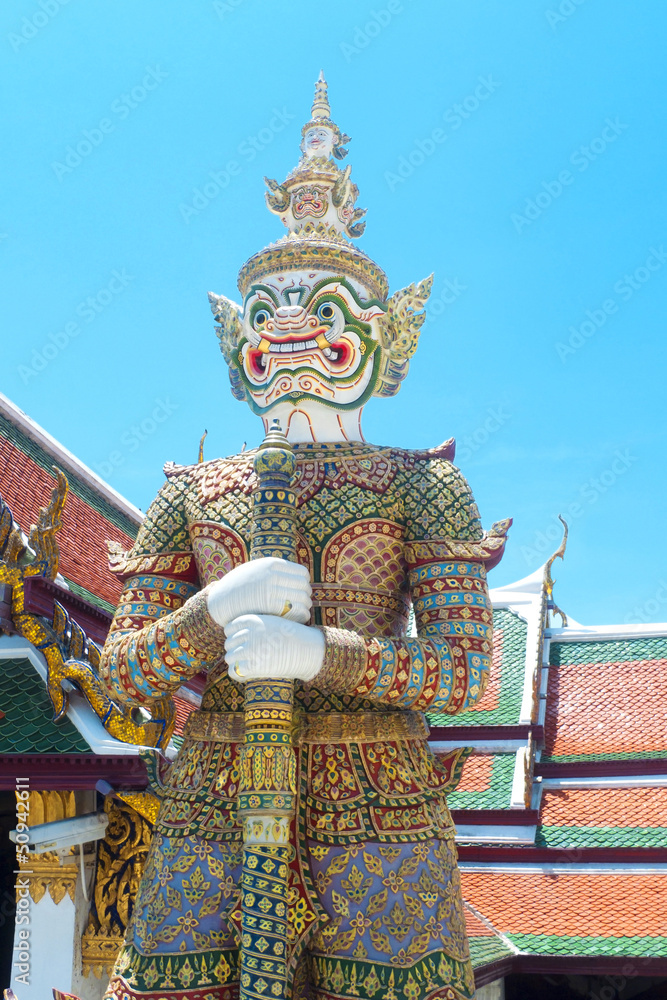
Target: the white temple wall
pixel 51 940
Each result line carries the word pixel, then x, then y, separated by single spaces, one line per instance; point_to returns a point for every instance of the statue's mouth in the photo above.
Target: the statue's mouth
pixel 337 354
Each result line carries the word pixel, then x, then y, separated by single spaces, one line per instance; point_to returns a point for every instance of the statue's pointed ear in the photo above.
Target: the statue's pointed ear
pixel 229 331
pixel 228 315
pixel 399 334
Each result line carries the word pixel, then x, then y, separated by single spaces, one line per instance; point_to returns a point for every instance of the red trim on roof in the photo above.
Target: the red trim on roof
pixel 515 853
pixel 492 734
pixel 587 965
pixel 496 817
pixel 70 771
pixel 41 595
pixel 601 768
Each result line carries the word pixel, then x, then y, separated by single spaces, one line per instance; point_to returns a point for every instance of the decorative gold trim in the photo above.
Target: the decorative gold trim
pixel 335 727
pixel 120 860
pixel 364 727
pixel 215 727
pixel 344 660
pixel 294 253
pixel 200 629
pixel 487 547
pixel 99 951
pixel 47 871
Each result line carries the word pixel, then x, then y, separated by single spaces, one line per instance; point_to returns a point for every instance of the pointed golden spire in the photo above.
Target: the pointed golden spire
pixel 321 108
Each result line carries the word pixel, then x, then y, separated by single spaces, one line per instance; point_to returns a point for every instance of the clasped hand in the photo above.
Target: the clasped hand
pixel 263 606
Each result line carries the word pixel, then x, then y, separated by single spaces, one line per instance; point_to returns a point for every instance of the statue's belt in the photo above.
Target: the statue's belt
pixel 325 727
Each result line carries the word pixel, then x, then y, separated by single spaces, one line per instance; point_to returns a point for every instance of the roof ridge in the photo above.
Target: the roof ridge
pixel 494 930
pixel 63 456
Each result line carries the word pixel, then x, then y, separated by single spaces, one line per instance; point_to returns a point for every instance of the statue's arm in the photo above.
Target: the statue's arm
pixel 445 667
pixel 162 633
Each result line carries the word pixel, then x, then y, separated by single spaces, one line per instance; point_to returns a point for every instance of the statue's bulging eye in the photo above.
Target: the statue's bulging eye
pixel 326 311
pixel 260 318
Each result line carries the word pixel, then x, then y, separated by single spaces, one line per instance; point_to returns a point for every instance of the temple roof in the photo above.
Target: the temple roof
pixel 94 512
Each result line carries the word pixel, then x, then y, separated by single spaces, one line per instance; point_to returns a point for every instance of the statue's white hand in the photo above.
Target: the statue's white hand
pixel 262 587
pixel 260 646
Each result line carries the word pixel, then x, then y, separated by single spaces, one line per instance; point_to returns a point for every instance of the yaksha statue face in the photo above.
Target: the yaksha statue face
pixel 309 336
pixel 317 328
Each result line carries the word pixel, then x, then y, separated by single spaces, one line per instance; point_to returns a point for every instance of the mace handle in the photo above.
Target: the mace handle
pixel 267 788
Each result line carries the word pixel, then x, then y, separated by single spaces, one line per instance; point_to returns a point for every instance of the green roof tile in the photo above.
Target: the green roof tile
pixel 514 631
pixel 497 796
pixel 484 950
pixel 601 836
pixel 87 595
pixel 552 944
pixel 608 651
pixel 28 725
pixel 577 758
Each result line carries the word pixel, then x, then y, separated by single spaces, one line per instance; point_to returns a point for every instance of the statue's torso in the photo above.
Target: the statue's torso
pixel 357 506
pixel 368 768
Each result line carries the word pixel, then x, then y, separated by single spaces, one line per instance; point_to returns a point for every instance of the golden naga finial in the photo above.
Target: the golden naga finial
pixel 200 458
pixel 548 579
pixel 321 107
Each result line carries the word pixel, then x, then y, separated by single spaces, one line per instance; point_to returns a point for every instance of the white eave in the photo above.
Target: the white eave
pixel 601 633
pixel 79 711
pixel 64 458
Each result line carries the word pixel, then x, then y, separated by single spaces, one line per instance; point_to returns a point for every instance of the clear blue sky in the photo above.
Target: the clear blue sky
pixel 539 204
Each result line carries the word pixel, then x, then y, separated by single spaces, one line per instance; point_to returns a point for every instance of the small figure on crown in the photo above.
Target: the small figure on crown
pixel 372 891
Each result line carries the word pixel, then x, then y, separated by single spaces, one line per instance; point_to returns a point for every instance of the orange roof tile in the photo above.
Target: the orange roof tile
pixel 183 710
pixel 571 904
pixel 491 696
pixel 637 807
pixel 26 488
pixel 603 708
pixel 474 926
pixel 476 774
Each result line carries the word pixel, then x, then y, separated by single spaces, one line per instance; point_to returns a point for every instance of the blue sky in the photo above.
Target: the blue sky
pixel 515 150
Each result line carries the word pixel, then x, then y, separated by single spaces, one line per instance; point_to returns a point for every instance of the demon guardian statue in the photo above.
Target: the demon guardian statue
pixel 304 847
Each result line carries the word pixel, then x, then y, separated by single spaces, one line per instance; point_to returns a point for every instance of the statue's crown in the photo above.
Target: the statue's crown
pixel 316 203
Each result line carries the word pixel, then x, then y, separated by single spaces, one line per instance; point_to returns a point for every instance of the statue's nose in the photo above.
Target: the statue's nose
pixel 290 317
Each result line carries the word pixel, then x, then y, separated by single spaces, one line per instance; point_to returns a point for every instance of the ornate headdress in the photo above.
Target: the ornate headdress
pixel 316 203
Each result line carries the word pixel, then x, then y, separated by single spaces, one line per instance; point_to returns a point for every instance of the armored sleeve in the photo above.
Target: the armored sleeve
pixel 445 666
pixel 162 633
